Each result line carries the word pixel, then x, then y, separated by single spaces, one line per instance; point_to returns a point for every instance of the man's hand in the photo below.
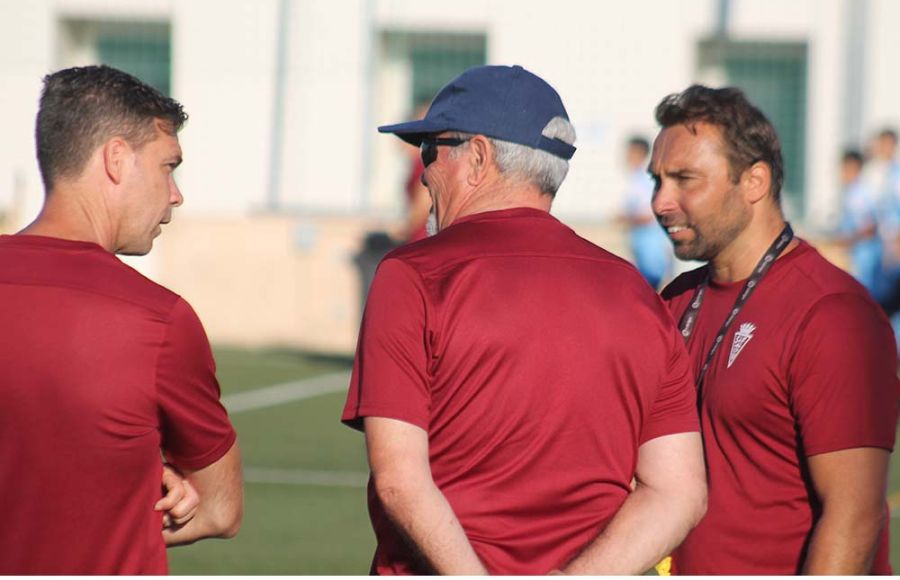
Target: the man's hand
pixel 180 501
pixel 220 510
pixel 668 501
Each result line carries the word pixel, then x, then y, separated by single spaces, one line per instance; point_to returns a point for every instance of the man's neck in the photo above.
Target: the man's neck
pixel 505 195
pixel 737 261
pixel 68 216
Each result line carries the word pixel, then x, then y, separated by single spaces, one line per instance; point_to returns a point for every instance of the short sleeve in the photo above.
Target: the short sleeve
pixel 390 376
pixel 843 386
pixel 674 409
pixel 196 431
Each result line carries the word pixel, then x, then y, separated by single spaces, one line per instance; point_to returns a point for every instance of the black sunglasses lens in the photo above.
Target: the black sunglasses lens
pixel 429 153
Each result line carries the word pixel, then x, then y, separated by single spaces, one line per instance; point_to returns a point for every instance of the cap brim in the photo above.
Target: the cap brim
pixel 413 131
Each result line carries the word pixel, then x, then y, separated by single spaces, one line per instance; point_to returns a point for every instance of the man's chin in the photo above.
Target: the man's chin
pixel 688 253
pixel 136 250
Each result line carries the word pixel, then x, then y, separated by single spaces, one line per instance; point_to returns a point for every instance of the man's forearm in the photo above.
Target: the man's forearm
pixel 424 517
pixel 844 545
pixel 219 513
pixel 647 527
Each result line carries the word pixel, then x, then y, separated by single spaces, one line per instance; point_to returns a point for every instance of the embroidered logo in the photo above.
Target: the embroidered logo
pixel 741 338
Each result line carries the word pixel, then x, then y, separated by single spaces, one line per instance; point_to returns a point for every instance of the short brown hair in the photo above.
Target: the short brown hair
pixel 82 107
pixel 747 133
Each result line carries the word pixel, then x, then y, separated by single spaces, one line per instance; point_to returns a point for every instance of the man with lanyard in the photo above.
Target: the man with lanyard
pixel 794 363
pixel 512 378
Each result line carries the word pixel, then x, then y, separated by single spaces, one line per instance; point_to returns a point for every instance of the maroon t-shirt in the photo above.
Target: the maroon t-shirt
pixel 538 363
pixel 101 368
pixel 807 367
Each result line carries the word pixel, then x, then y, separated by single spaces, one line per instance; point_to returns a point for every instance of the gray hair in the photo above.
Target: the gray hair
pixel 539 168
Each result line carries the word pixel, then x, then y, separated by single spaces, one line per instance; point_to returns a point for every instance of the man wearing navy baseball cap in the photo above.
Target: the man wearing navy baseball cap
pixel 513 379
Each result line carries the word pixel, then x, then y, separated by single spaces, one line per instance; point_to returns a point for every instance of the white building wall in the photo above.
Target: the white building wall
pixel 26 53
pixel 327 97
pixel 882 93
pixel 415 15
pixel 223 74
pixel 611 62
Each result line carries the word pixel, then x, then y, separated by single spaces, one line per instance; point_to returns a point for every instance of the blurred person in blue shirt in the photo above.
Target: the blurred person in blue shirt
pixel 649 245
pixel 882 176
pixel 859 223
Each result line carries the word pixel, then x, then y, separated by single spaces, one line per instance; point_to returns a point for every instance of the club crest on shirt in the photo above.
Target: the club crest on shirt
pixel 741 338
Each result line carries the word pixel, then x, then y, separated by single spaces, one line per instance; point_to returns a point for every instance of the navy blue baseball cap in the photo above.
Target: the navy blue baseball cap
pixel 501 102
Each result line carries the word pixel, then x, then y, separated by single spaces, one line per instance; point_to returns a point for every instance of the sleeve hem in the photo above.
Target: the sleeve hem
pixel 681 427
pixel 843 445
pixel 355 420
pixel 207 459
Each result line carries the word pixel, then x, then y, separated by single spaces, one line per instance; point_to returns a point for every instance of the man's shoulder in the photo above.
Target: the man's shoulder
pixel 80 268
pixel 138 288
pixel 540 237
pixel 814 277
pixel 684 284
pixel 811 289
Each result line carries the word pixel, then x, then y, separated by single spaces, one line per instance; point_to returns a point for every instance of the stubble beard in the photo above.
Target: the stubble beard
pixel 715 235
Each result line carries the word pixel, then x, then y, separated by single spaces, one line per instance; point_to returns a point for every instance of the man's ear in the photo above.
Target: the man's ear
pixel 117 158
pixel 481 159
pixel 757 181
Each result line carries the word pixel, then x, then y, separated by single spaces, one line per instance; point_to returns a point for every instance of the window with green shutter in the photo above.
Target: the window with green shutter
pixel 431 60
pixel 143 49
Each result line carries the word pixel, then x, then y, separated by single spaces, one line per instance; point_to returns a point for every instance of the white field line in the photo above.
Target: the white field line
pixel 286 392
pixel 321 385
pixel 354 479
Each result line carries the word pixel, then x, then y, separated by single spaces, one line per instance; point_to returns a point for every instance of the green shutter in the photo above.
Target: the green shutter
pixel 143 50
pixel 437 61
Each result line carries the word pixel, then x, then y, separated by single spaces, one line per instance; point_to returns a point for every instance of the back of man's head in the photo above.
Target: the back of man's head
pixel 637 150
pixel 638 143
pixel 852 155
pixel 888 134
pixel 519 112
pixel 83 107
pixel 887 143
pixel 852 161
pixel 747 134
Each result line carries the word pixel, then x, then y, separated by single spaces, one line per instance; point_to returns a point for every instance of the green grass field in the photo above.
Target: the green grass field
pixel 289 528
pixel 297 528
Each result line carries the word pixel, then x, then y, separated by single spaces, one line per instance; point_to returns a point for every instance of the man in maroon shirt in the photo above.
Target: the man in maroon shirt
pixel 795 363
pixel 513 379
pixel 101 368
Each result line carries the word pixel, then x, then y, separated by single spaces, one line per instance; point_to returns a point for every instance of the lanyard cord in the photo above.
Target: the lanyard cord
pixel 689 318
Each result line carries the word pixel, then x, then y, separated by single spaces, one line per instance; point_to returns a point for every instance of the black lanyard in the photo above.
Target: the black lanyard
pixel 689 318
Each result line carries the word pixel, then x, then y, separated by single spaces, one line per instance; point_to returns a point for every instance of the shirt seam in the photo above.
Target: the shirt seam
pixel 95 293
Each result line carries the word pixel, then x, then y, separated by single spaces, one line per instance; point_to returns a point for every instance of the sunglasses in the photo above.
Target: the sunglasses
pixel 429 147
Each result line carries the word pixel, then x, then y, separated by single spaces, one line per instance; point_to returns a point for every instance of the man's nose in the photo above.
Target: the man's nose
pixel 175 197
pixel 663 200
